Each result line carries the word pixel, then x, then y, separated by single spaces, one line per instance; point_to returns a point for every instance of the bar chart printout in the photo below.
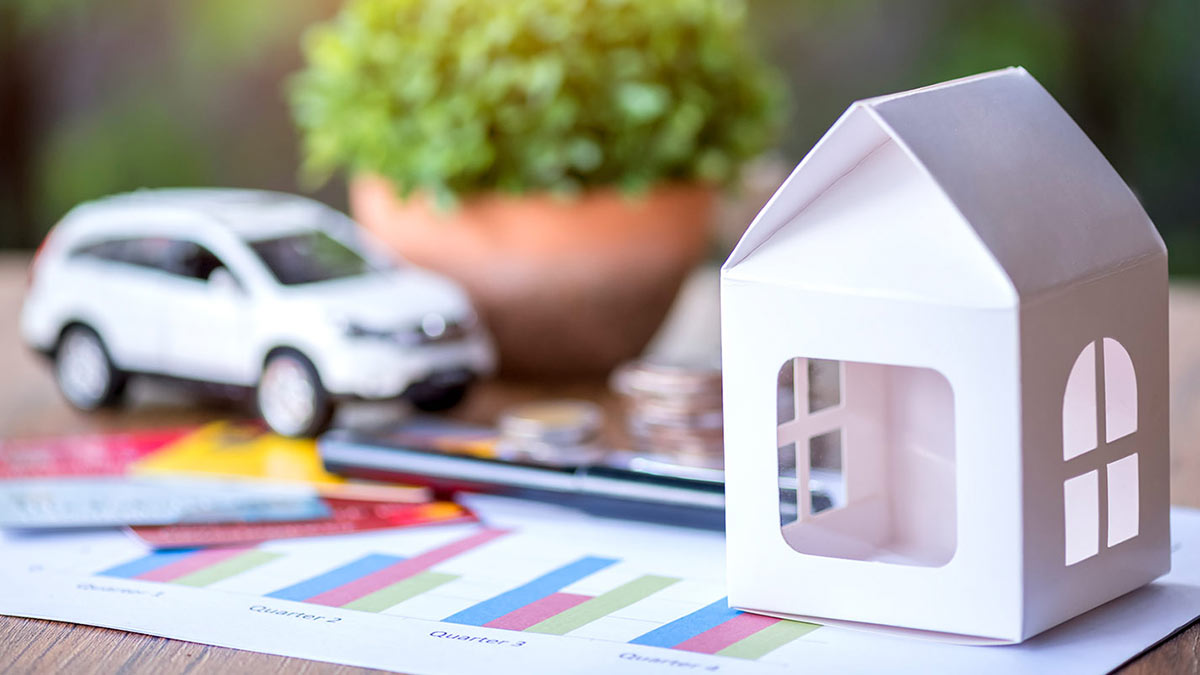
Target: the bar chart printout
pixel 538 589
pixel 378 582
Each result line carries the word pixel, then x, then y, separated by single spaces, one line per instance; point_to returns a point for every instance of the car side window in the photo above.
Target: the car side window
pixel 191 260
pixel 174 256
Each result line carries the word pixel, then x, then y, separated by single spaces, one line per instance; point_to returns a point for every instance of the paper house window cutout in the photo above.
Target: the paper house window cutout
pixel 954 249
pixel 866 455
pixel 1101 392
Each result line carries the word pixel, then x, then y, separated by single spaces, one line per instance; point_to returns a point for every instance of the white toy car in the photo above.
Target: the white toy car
pixel 246 288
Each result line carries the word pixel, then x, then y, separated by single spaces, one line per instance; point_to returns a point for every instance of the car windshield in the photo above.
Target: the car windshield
pixel 309 257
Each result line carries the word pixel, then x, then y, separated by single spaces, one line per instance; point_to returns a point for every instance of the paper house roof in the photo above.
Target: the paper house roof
pixel 1004 195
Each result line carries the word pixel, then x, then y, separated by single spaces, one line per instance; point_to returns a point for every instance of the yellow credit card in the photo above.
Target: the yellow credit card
pixel 248 450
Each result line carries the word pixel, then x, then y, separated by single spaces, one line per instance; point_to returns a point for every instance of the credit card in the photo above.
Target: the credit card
pixel 106 501
pixel 346 516
pixel 249 450
pixel 86 455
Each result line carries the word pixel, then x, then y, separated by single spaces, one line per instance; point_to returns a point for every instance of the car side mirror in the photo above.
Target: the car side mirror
pixel 222 281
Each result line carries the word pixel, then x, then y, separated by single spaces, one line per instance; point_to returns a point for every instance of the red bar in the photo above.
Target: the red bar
pixel 719 637
pixel 537 611
pixel 336 597
pixel 195 562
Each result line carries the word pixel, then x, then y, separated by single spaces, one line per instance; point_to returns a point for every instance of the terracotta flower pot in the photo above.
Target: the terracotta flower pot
pixel 568 287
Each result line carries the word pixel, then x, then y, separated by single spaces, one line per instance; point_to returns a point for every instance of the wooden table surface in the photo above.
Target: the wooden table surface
pixel 30 406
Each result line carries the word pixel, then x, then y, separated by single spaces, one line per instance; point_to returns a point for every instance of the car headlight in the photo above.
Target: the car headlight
pixel 432 328
pixel 356 330
pixel 403 338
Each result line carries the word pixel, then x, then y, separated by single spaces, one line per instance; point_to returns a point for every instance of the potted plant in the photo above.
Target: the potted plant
pixel 559 158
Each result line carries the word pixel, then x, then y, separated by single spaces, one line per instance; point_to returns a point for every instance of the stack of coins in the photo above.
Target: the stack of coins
pixel 562 431
pixel 673 412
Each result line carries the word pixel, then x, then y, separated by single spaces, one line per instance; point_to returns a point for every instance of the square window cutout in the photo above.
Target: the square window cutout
pixel 875 475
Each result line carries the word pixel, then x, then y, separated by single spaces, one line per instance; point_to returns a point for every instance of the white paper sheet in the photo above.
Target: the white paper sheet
pixel 648 577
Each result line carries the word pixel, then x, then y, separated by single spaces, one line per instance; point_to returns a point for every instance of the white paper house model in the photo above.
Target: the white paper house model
pixel 945 371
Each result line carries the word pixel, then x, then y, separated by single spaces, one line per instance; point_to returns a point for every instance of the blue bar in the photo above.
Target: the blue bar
pixel 494 608
pixel 142 565
pixel 336 577
pixel 685 628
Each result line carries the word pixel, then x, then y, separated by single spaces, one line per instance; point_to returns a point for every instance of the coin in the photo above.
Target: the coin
pixel 561 431
pixel 673 411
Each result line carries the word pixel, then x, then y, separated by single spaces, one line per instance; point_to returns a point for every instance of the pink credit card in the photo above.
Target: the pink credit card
pixel 346 516
pixel 90 455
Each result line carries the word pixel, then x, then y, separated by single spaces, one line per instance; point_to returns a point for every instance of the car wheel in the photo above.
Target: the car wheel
pixel 290 397
pixel 437 399
pixel 84 372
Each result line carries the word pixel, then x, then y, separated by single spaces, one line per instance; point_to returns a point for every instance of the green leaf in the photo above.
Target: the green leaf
pixel 642 102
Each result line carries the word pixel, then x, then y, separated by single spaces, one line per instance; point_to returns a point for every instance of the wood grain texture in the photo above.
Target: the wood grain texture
pixel 30 406
pixel 32 646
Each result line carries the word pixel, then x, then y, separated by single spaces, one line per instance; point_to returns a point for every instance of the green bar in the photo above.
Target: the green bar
pixel 390 596
pixel 768 639
pixel 227 568
pixel 602 605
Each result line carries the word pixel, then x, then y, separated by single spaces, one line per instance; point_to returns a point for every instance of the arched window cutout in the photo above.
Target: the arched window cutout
pixel 1120 392
pixel 1119 491
pixel 1079 405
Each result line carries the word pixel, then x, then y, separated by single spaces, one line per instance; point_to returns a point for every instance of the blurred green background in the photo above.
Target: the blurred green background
pixel 102 97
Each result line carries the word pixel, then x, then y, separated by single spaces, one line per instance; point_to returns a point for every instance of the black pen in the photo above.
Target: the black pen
pixel 641 489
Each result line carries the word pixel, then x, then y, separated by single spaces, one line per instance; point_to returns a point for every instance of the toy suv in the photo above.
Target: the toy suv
pixel 247 288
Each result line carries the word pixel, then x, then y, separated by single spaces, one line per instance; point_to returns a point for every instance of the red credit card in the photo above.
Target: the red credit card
pixel 90 455
pixel 347 516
